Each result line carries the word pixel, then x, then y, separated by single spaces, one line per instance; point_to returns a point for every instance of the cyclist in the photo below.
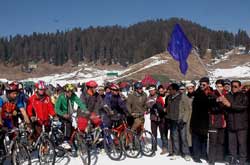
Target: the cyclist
pixel 64 109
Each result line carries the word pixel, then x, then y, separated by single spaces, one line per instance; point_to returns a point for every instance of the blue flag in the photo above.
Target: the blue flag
pixel 179 47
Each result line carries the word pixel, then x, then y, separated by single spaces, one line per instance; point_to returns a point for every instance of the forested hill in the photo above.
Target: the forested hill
pixel 112 44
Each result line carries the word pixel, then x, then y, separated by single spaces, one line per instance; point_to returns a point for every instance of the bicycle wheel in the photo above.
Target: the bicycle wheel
pixel 130 143
pixel 148 143
pixel 112 145
pixel 83 150
pixel 20 155
pixel 46 151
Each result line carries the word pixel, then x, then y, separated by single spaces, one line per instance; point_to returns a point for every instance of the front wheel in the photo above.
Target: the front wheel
pixel 83 149
pixel 112 145
pixel 148 143
pixel 20 155
pixel 46 152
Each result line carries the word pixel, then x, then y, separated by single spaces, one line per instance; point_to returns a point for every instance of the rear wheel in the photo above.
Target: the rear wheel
pixel 112 145
pixel 130 143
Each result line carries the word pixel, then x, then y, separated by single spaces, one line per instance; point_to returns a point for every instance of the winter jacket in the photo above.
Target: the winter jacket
pixel 200 107
pixel 93 103
pixel 42 108
pixel 178 108
pixel 136 104
pixel 237 115
pixel 117 104
pixel 157 111
pixel 61 104
pixel 216 111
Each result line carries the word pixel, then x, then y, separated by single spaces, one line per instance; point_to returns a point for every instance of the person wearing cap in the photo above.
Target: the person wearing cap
pixel 182 89
pixel 137 105
pixel 101 91
pixel 190 88
pixel 178 110
pixel 227 85
pixel 199 119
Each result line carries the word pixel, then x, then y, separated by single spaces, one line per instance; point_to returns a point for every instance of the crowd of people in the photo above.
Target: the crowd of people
pixel 195 121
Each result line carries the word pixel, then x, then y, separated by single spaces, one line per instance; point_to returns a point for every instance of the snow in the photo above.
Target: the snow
pixel 235 72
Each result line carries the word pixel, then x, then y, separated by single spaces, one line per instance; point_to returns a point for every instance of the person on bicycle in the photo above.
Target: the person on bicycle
pixel 64 109
pixel 114 106
pixel 40 109
pixel 93 101
pixel 10 105
pixel 137 105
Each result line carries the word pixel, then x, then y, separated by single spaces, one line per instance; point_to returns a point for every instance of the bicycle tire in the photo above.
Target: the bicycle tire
pixel 83 150
pixel 130 143
pixel 112 145
pixel 41 148
pixel 20 151
pixel 148 143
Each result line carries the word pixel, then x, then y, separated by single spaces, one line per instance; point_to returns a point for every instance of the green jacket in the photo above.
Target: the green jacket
pixel 62 104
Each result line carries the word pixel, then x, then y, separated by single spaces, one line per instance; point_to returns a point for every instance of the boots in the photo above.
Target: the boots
pixel 164 151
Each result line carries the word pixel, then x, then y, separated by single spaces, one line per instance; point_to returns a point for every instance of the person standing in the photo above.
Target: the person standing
pixel 199 119
pixel 237 122
pixel 178 111
pixel 217 125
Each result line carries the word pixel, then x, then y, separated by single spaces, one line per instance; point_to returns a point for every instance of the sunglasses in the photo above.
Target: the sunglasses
pixel 219 86
pixel 203 84
pixel 234 86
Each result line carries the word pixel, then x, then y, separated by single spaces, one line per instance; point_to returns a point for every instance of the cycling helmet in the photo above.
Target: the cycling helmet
pixel 12 87
pixel 69 87
pixel 41 85
pixel 91 84
pixel 138 85
pixel 114 87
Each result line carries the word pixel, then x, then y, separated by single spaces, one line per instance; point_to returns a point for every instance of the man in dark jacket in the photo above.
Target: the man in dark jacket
pixel 217 125
pixel 199 119
pixel 237 122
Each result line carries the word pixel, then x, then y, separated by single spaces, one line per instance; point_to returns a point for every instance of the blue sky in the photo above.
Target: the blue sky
pixel 27 16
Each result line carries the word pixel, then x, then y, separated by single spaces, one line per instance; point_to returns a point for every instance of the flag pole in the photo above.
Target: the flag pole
pixel 203 65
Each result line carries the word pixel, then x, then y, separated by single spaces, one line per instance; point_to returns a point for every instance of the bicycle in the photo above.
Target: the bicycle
pixel 14 148
pixel 147 141
pixel 102 134
pixel 129 139
pixel 76 141
pixel 45 147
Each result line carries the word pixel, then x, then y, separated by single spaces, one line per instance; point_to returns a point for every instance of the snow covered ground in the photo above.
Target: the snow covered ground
pixel 235 72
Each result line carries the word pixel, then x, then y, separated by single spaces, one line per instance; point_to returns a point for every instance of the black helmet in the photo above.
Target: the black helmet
pixel 138 85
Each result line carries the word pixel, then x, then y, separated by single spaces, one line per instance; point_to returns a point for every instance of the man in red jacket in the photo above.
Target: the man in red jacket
pixel 40 108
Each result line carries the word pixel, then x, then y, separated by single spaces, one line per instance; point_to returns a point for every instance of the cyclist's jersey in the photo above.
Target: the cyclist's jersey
pixel 9 110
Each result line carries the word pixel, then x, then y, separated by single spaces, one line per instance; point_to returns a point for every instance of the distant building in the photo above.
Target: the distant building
pixel 240 50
